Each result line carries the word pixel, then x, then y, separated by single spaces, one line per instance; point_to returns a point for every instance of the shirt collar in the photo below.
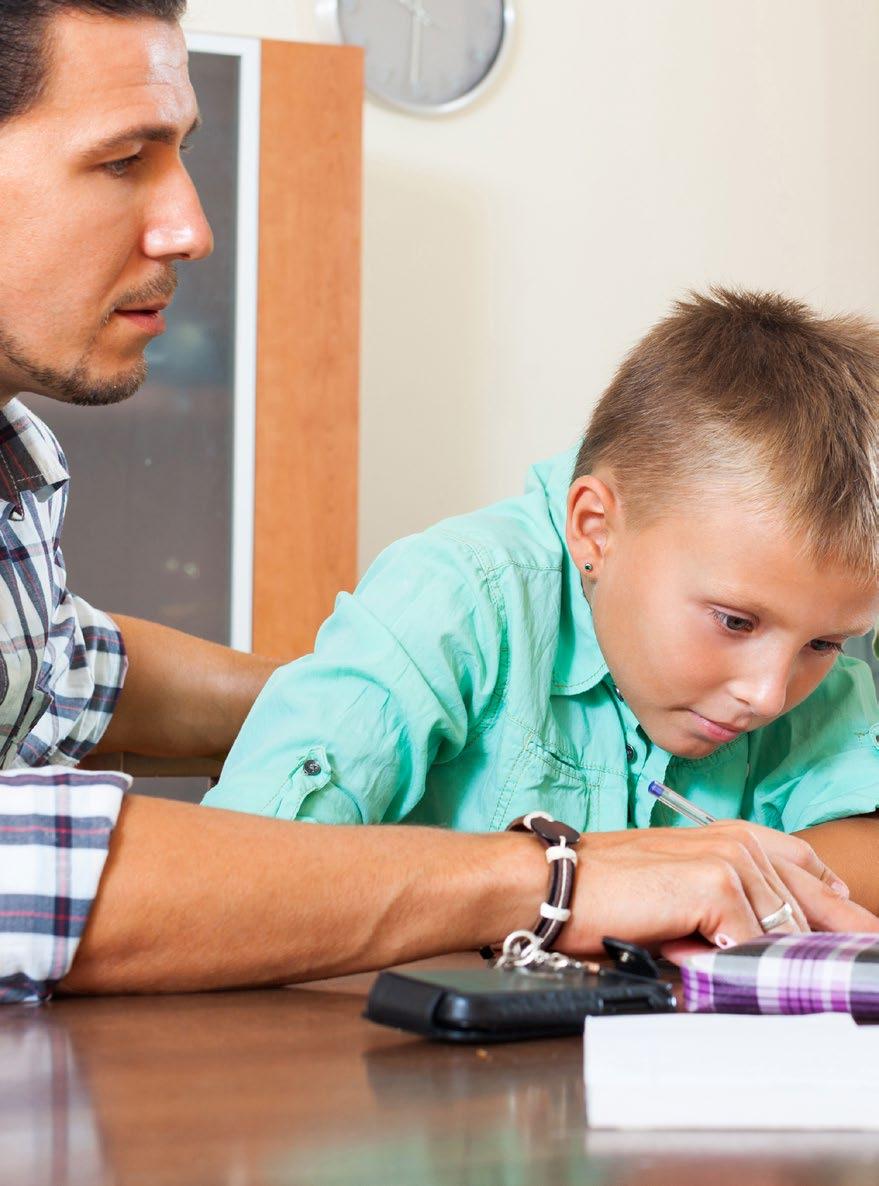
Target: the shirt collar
pixel 579 664
pixel 30 458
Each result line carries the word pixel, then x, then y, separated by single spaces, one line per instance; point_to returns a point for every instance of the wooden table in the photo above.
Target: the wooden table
pixel 291 1086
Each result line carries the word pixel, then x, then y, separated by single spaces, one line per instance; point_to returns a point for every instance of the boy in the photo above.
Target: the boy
pixel 669 604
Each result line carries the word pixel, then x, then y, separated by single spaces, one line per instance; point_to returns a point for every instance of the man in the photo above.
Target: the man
pixel 100 891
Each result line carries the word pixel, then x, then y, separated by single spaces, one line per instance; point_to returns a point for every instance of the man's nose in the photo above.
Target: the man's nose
pixel 177 227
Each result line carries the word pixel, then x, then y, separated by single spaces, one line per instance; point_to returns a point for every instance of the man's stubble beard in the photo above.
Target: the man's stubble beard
pixel 76 386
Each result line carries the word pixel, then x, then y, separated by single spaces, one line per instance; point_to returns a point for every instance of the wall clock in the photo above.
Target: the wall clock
pixel 427 57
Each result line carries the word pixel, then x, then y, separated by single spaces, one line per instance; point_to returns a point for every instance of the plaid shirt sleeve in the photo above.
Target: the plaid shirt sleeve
pixel 55 828
pixel 88 666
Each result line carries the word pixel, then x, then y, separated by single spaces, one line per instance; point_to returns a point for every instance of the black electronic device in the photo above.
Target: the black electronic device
pixel 507 1004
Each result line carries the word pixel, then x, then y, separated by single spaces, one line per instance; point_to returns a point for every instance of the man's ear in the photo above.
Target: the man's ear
pixel 593 513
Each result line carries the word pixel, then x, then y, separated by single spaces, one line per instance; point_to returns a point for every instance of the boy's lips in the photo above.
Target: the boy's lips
pixel 716 730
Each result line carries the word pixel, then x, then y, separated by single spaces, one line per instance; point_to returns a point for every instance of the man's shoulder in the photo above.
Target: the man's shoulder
pixel 36 450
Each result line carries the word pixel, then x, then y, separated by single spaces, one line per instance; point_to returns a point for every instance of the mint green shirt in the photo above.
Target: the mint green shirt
pixel 462 684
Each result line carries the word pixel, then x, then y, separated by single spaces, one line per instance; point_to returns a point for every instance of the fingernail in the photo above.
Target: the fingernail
pixel 840 889
pixel 721 940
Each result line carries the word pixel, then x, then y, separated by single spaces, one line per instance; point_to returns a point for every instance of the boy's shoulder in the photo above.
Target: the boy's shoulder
pixel 525 532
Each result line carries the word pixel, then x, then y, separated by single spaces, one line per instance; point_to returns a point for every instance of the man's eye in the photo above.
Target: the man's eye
pixel 732 622
pixel 824 646
pixel 121 167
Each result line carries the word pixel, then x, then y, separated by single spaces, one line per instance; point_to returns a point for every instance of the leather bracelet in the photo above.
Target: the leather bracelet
pixel 559 840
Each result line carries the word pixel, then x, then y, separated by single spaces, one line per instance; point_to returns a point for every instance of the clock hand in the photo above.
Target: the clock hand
pixel 415 49
pixel 417 9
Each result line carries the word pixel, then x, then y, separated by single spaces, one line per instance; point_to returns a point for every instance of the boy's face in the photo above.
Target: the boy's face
pixel 97 209
pixel 712 619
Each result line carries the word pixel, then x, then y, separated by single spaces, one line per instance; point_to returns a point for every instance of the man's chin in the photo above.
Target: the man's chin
pixel 86 389
pixel 92 391
pixel 84 384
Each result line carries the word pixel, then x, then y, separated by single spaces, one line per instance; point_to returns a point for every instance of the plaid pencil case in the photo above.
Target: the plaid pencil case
pixel 823 972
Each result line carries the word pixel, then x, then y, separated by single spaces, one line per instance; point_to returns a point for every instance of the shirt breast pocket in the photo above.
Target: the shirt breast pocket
pixel 543 779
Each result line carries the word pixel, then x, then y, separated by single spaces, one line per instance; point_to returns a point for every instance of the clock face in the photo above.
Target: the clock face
pixel 425 55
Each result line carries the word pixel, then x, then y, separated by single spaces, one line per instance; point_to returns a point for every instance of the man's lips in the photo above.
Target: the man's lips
pixel 715 729
pixel 147 318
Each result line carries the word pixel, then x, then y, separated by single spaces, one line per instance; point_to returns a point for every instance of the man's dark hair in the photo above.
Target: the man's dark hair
pixel 24 42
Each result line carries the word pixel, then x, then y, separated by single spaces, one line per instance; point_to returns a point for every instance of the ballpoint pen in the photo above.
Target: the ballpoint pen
pixel 690 811
pixel 681 805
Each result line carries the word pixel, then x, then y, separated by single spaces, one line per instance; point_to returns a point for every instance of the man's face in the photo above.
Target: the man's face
pixel 713 619
pixel 96 209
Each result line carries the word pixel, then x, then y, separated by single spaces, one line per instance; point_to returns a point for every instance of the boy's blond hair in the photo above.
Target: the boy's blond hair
pixel 756 388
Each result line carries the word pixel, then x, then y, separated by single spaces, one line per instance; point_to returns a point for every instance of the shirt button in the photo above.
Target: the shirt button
pixel 630 753
pixel 312 767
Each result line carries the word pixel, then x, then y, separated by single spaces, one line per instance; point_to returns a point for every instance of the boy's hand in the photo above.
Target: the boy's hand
pixel 719 881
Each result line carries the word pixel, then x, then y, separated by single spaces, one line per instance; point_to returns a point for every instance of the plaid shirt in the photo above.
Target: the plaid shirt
pixel 62 664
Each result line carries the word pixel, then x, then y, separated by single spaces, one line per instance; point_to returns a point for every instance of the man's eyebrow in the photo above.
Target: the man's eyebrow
pixel 152 133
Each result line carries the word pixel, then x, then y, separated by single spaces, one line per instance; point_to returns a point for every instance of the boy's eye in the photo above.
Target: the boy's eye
pixel 121 167
pixel 732 622
pixel 824 646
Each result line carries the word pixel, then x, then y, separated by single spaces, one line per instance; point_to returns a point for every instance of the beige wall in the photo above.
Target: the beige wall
pixel 514 251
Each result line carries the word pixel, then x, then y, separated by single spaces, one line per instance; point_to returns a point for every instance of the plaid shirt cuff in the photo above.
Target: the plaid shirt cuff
pixel 55 828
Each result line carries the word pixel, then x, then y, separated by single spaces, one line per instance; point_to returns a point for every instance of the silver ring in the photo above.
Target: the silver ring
pixel 778 918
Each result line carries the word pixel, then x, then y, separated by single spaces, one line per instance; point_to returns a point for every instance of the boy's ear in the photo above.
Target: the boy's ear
pixel 593 512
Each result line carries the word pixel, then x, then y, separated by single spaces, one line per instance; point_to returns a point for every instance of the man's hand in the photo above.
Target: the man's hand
pixel 664 883
pixel 182 697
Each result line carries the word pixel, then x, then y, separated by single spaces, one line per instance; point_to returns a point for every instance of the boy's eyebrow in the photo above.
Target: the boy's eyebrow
pixel 856 631
pixel 732 598
pixel 153 133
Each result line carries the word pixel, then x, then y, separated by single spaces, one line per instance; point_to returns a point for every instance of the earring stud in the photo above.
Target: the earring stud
pixel 587 568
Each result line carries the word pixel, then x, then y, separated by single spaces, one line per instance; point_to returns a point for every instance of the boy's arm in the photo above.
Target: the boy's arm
pixel 851 848
pixel 182 696
pixel 401 673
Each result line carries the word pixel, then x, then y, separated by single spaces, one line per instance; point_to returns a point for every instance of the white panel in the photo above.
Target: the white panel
pixel 246 270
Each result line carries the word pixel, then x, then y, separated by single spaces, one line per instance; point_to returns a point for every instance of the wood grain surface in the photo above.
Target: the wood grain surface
pixel 292 1086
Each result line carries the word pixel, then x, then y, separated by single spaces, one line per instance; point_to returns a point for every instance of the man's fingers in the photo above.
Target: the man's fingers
pixel 800 852
pixel 728 914
pixel 824 909
pixel 781 846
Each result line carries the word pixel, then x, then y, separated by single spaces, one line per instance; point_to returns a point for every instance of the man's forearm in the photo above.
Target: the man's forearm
pixel 183 696
pixel 851 848
pixel 196 898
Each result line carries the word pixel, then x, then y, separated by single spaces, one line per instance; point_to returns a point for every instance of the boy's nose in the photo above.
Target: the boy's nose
pixel 764 689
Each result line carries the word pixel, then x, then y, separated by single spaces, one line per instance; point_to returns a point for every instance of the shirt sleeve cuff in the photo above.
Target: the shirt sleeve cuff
pixel 55 830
